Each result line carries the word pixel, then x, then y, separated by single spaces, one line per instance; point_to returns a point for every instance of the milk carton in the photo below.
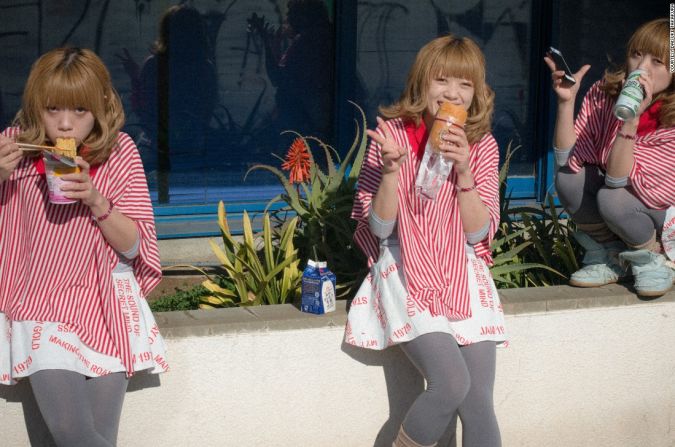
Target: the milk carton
pixel 318 288
pixel 328 287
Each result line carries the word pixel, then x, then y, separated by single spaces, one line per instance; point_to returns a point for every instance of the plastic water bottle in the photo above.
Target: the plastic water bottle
pixel 434 169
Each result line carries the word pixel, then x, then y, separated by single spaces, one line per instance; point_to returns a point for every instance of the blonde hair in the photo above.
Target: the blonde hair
pixel 650 38
pixel 72 78
pixel 450 56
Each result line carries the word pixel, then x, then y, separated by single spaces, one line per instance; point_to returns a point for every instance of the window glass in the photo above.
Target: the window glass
pixel 596 32
pixel 391 32
pixel 207 86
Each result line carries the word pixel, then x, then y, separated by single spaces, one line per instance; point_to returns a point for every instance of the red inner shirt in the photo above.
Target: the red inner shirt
pixel 649 120
pixel 417 135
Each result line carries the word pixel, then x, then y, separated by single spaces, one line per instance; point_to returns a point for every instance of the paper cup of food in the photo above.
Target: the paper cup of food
pixel 56 167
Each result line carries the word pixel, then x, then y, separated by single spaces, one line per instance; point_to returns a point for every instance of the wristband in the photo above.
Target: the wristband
pixel 626 136
pixel 103 217
pixel 470 188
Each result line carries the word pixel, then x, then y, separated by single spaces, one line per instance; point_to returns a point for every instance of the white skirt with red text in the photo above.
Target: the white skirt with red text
pixel 30 346
pixel 382 314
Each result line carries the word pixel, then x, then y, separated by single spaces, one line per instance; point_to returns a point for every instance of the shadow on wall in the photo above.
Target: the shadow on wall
pixel 403 383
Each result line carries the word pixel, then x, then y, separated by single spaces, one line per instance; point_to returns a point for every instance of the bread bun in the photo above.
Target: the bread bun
pixel 448 110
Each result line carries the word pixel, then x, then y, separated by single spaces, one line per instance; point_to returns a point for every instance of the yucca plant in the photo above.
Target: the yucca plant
pixel 322 198
pixel 552 243
pixel 261 269
pixel 509 268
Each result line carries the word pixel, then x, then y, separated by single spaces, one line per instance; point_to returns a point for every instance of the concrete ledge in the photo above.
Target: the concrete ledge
pixel 287 317
pixel 245 319
pixel 585 367
pixel 545 299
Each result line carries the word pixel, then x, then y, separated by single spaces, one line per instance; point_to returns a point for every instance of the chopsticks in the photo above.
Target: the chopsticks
pixel 25 147
pixel 35 147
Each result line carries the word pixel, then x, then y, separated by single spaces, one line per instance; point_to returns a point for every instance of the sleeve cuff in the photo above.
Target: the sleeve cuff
pixel 477 236
pixel 379 227
pixel 616 182
pixel 133 251
pixel 562 155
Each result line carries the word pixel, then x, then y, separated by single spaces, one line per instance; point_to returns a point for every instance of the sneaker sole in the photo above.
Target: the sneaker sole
pixel 653 293
pixel 588 285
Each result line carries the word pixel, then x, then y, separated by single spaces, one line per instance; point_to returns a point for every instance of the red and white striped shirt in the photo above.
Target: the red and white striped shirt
pixel 596 128
pixel 430 232
pixel 55 264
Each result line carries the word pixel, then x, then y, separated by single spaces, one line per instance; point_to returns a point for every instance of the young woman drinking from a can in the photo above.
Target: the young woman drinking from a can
pixel 616 163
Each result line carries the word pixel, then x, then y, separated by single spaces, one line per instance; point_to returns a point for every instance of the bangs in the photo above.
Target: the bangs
pixel 70 89
pixel 457 61
pixel 72 78
pixel 653 39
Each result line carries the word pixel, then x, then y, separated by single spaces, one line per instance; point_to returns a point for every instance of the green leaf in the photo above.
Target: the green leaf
pixel 502 269
pixel 267 242
pixel 220 254
pixel 293 199
pixel 360 141
pixel 213 287
pixel 248 231
pixel 327 149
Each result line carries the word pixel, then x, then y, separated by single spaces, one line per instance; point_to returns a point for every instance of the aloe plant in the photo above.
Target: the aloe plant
pixel 323 203
pixel 263 269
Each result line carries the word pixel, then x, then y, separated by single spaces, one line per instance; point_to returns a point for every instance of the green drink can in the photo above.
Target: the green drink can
pixel 631 96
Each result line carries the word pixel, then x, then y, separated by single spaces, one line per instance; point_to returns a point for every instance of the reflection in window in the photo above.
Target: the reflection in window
pixel 174 96
pixel 391 32
pixel 207 86
pixel 299 64
pixel 596 32
pixel 221 85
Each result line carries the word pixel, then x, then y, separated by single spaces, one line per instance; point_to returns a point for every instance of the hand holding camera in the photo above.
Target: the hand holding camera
pixel 258 25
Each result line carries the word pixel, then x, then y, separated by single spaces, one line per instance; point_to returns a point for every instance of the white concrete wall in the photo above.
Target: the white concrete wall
pixel 600 376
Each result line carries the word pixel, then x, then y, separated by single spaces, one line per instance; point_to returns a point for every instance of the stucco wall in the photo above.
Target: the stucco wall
pixel 584 368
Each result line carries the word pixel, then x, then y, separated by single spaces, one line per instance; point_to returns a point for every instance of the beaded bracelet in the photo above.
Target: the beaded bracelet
pixel 103 217
pixel 626 136
pixel 470 188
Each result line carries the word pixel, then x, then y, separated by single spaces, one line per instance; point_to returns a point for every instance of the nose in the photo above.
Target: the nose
pixel 646 63
pixel 65 121
pixel 451 91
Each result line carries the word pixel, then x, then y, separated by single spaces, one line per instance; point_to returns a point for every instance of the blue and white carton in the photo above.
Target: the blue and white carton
pixel 318 288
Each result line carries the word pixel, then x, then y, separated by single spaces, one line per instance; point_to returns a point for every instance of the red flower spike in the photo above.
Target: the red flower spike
pixel 297 161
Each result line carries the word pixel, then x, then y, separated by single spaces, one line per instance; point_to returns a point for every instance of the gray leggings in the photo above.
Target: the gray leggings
pixel 589 201
pixel 80 411
pixel 459 379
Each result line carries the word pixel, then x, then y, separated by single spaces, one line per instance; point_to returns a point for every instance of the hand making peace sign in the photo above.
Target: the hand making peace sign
pixel 393 154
